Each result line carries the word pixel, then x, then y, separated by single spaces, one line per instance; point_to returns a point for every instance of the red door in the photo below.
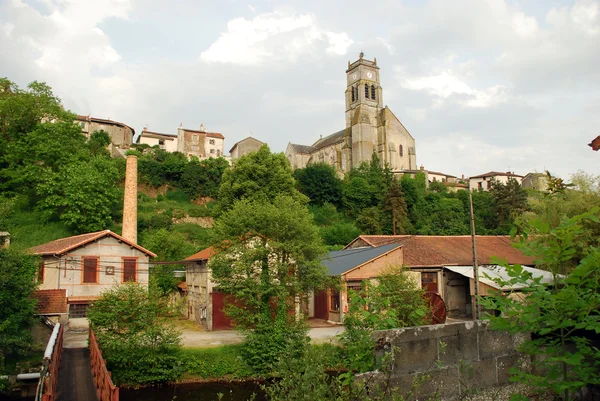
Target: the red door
pixel 220 320
pixel 321 311
pixel 429 282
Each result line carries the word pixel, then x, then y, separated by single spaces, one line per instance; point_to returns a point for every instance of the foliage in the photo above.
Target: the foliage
pixel 396 205
pixel 268 255
pixel 393 300
pixel 562 317
pixel 510 200
pixel 18 276
pixel 203 178
pixel 223 362
pixel 138 344
pixel 320 183
pixel 98 142
pixel 259 175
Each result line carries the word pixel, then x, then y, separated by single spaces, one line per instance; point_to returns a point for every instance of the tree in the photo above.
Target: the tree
pixel 561 318
pixel 18 280
pixel 259 175
pixel 510 201
pixel 203 178
pixel 81 195
pixel 138 344
pixel 98 142
pixel 268 258
pixel 395 204
pixel 320 183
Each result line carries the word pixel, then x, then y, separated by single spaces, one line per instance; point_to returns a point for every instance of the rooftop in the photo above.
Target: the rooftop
pixel 329 140
pixel 497 173
pixel 487 274
pixel 339 262
pixel 303 149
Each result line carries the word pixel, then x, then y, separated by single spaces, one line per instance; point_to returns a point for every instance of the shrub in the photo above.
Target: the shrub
pixel 177 195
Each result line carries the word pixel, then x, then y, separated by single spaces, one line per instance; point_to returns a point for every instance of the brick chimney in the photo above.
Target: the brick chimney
pixel 130 200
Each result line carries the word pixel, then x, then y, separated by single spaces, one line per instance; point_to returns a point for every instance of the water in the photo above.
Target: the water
pixel 242 391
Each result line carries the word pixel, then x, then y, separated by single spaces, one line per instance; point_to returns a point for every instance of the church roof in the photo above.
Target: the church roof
pixel 303 149
pixel 329 140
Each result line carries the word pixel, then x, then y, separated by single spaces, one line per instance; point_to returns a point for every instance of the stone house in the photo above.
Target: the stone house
pixel 200 296
pixel 87 264
pixel 537 181
pixel 371 127
pixel 483 181
pixel 121 135
pixel 244 147
pixel 200 143
pixel 445 263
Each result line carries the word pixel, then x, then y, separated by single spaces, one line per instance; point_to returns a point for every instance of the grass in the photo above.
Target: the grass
pixel 29 228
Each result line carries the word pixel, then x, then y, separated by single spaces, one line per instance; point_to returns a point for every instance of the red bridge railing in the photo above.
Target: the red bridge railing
pixel 50 371
pixel 105 387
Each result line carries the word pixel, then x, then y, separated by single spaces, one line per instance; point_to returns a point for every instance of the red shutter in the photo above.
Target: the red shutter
pixel 129 269
pixel 41 272
pixel 90 268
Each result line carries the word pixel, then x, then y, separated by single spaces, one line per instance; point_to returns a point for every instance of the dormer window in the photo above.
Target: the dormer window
pixel 373 92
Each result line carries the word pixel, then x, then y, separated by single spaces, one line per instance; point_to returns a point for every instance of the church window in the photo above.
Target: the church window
pixel 373 92
pixel 366 91
pixel 401 151
pixel 353 93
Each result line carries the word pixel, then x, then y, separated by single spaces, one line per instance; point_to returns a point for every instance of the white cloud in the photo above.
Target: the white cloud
pixel 280 35
pixel 391 50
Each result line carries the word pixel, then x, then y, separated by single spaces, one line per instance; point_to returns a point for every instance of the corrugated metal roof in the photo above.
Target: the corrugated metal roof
pixel 488 273
pixel 339 262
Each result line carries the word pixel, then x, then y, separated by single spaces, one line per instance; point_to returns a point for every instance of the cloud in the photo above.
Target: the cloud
pixel 279 35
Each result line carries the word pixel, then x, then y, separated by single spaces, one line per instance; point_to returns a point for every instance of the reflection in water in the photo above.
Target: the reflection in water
pixel 195 392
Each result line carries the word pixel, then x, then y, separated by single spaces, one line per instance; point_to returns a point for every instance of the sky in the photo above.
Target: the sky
pixel 482 85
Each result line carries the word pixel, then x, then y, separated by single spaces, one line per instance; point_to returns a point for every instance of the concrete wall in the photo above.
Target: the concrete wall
pixel 456 358
pixel 199 301
pixel 110 252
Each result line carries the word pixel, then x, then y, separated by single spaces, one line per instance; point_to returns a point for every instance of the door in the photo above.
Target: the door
pixel 321 311
pixel 220 320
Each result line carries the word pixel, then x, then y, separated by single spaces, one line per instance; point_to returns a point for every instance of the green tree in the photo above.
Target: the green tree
pixel 98 142
pixel 136 340
pixel 203 178
pixel 82 195
pixel 320 183
pixel 396 205
pixel 260 175
pixel 18 280
pixel 268 258
pixel 510 201
pixel 561 317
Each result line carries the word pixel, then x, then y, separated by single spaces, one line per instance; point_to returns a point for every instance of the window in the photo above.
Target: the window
pixel 90 270
pixel 373 92
pixel 212 151
pixel 195 139
pixel 218 153
pixel 129 269
pixel 161 141
pixel 78 310
pixel 489 184
pixel 366 91
pixel 211 141
pixel 334 304
pixel 401 151
pixel 353 286
pixel 353 93
pixel 41 272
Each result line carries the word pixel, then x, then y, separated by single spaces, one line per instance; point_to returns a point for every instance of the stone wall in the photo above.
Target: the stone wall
pixel 454 359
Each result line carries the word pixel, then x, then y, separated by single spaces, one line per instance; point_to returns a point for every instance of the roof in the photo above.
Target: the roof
pixel 438 173
pixel 487 274
pixel 339 262
pixel 79 117
pixel 150 134
pixel 595 144
pixel 497 173
pixel 202 255
pixel 51 301
pixel 244 140
pixel 208 134
pixel 302 149
pixel 332 139
pixel 443 250
pixel 63 245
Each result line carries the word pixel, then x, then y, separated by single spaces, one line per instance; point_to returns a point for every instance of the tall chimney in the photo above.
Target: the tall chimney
pixel 130 200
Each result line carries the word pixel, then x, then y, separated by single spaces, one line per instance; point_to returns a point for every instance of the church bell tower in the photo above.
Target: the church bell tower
pixel 363 104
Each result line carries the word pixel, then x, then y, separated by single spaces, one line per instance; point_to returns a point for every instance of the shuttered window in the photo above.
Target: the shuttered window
pixel 90 270
pixel 129 269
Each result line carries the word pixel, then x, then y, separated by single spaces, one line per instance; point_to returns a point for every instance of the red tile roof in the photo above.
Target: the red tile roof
pixel 424 250
pixel 202 255
pixel 51 301
pixel 63 245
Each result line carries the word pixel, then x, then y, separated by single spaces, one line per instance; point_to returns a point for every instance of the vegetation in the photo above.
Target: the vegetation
pixel 18 279
pixel 563 317
pixel 139 345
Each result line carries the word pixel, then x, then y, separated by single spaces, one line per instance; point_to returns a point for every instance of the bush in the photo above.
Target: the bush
pixel 177 195
pixel 217 363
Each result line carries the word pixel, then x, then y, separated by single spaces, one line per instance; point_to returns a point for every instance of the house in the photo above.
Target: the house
pixel 199 143
pixel 121 135
pixel 244 147
pixel 370 127
pixel 165 142
pixel 204 304
pixel 446 263
pixel 87 264
pixel 537 181
pixel 483 181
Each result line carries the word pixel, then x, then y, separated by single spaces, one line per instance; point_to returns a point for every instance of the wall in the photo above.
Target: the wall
pixel 474 356
pixel 485 181
pixel 169 146
pixel 395 135
pixel 245 146
pixel 199 301
pixel 110 252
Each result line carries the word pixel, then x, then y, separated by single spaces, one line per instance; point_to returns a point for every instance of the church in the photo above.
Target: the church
pixel 370 127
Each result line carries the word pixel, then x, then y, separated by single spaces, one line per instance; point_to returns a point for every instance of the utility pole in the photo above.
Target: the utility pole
pixel 476 311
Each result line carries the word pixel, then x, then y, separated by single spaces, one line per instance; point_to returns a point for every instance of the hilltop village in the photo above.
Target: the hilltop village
pixel 164 259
